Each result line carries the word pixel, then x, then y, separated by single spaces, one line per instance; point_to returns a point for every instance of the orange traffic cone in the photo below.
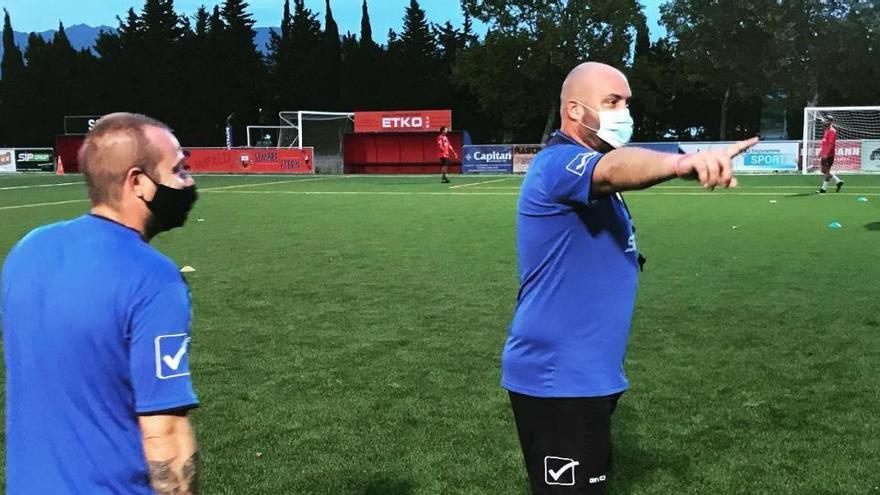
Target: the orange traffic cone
pixel 59 168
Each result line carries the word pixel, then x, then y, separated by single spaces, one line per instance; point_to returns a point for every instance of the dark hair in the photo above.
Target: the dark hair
pixel 115 145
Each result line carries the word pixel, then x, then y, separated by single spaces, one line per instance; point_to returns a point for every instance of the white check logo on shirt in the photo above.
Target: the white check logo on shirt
pixel 170 351
pixel 578 164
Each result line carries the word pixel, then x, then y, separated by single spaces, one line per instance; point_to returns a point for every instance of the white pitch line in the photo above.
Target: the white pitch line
pixel 52 203
pixel 239 186
pixel 478 183
pixel 454 193
pixel 731 193
pixel 808 187
pixel 9 188
pixel 372 193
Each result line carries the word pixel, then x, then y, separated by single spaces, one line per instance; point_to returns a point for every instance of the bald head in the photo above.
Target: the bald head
pixel 590 88
pixel 117 143
pixel 589 82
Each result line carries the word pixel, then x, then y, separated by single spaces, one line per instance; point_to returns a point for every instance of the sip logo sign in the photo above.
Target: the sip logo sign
pixel 487 159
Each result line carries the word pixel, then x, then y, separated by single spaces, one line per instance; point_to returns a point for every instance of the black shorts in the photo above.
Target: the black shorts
pixel 826 162
pixel 444 160
pixel 566 442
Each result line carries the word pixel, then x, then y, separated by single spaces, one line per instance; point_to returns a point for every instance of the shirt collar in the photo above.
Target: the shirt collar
pixel 559 137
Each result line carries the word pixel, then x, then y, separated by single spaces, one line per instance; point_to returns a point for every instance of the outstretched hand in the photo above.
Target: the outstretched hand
pixel 712 167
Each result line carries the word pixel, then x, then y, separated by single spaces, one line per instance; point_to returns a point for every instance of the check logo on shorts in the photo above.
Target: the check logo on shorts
pixel 559 470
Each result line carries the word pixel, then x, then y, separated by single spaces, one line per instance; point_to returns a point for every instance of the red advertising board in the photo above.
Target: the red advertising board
pixel 847 156
pixel 251 160
pixel 402 121
pixel 67 148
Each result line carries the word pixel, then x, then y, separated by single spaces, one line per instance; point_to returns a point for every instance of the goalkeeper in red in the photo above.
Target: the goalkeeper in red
pixel 444 151
pixel 826 156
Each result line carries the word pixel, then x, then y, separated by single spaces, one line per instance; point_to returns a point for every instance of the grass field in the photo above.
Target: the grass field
pixel 348 330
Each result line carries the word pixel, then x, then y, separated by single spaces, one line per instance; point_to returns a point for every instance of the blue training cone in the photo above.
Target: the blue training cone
pixel 834 225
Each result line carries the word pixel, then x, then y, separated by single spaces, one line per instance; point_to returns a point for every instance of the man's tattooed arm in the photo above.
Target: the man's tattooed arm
pixel 165 479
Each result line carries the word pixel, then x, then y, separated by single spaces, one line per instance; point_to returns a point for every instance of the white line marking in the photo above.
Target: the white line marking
pixel 373 193
pixel 807 187
pixel 238 186
pixel 720 194
pixel 455 193
pixel 9 188
pixel 478 183
pixel 52 203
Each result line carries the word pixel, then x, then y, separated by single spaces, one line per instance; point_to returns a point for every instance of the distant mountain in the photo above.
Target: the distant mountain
pixel 84 36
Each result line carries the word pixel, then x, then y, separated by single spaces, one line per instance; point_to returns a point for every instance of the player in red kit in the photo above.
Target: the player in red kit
pixel 826 156
pixel 444 150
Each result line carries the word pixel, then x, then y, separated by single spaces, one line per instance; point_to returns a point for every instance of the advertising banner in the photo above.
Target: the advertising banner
pixel 402 121
pixel 847 156
pixel 7 160
pixel 34 159
pixel 523 154
pixel 251 160
pixel 871 155
pixel 79 124
pixel 697 147
pixel 772 155
pixel 661 147
pixel 487 159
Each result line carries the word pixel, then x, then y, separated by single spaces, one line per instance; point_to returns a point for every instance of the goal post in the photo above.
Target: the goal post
pixel 858 138
pixel 323 131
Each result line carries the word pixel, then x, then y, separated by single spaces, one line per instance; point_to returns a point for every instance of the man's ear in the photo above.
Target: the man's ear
pixel 574 110
pixel 135 178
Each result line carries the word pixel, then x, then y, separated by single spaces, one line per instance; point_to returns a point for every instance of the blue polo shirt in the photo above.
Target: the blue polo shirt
pixel 96 327
pixel 578 271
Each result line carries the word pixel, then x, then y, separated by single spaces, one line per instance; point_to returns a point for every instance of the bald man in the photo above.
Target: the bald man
pixel 96 329
pixel 578 267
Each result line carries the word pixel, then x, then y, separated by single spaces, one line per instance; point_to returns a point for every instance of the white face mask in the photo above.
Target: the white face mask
pixel 615 126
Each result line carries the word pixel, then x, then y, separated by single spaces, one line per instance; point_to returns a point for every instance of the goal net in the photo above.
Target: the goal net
pixel 323 131
pixel 271 136
pixel 858 138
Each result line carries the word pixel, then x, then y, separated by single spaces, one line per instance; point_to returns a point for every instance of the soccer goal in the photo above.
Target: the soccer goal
pixel 271 136
pixel 858 138
pixel 323 131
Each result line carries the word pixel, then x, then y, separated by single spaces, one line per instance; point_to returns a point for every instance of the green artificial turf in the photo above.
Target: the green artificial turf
pixel 347 334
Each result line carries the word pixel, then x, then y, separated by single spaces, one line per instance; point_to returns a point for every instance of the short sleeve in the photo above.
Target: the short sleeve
pixel 159 350
pixel 569 179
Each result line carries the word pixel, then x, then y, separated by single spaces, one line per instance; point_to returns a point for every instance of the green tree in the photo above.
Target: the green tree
pixel 531 45
pixel 412 57
pixel 330 62
pixel 717 45
pixel 12 64
pixel 11 85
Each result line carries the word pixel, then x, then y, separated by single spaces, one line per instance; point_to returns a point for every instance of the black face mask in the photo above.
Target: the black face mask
pixel 171 206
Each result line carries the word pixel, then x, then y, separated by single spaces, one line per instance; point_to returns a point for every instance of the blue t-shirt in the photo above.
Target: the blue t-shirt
pixel 578 270
pixel 96 327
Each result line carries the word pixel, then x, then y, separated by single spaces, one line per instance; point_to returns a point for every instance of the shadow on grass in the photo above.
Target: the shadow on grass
pixel 874 226
pixel 802 195
pixel 381 484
